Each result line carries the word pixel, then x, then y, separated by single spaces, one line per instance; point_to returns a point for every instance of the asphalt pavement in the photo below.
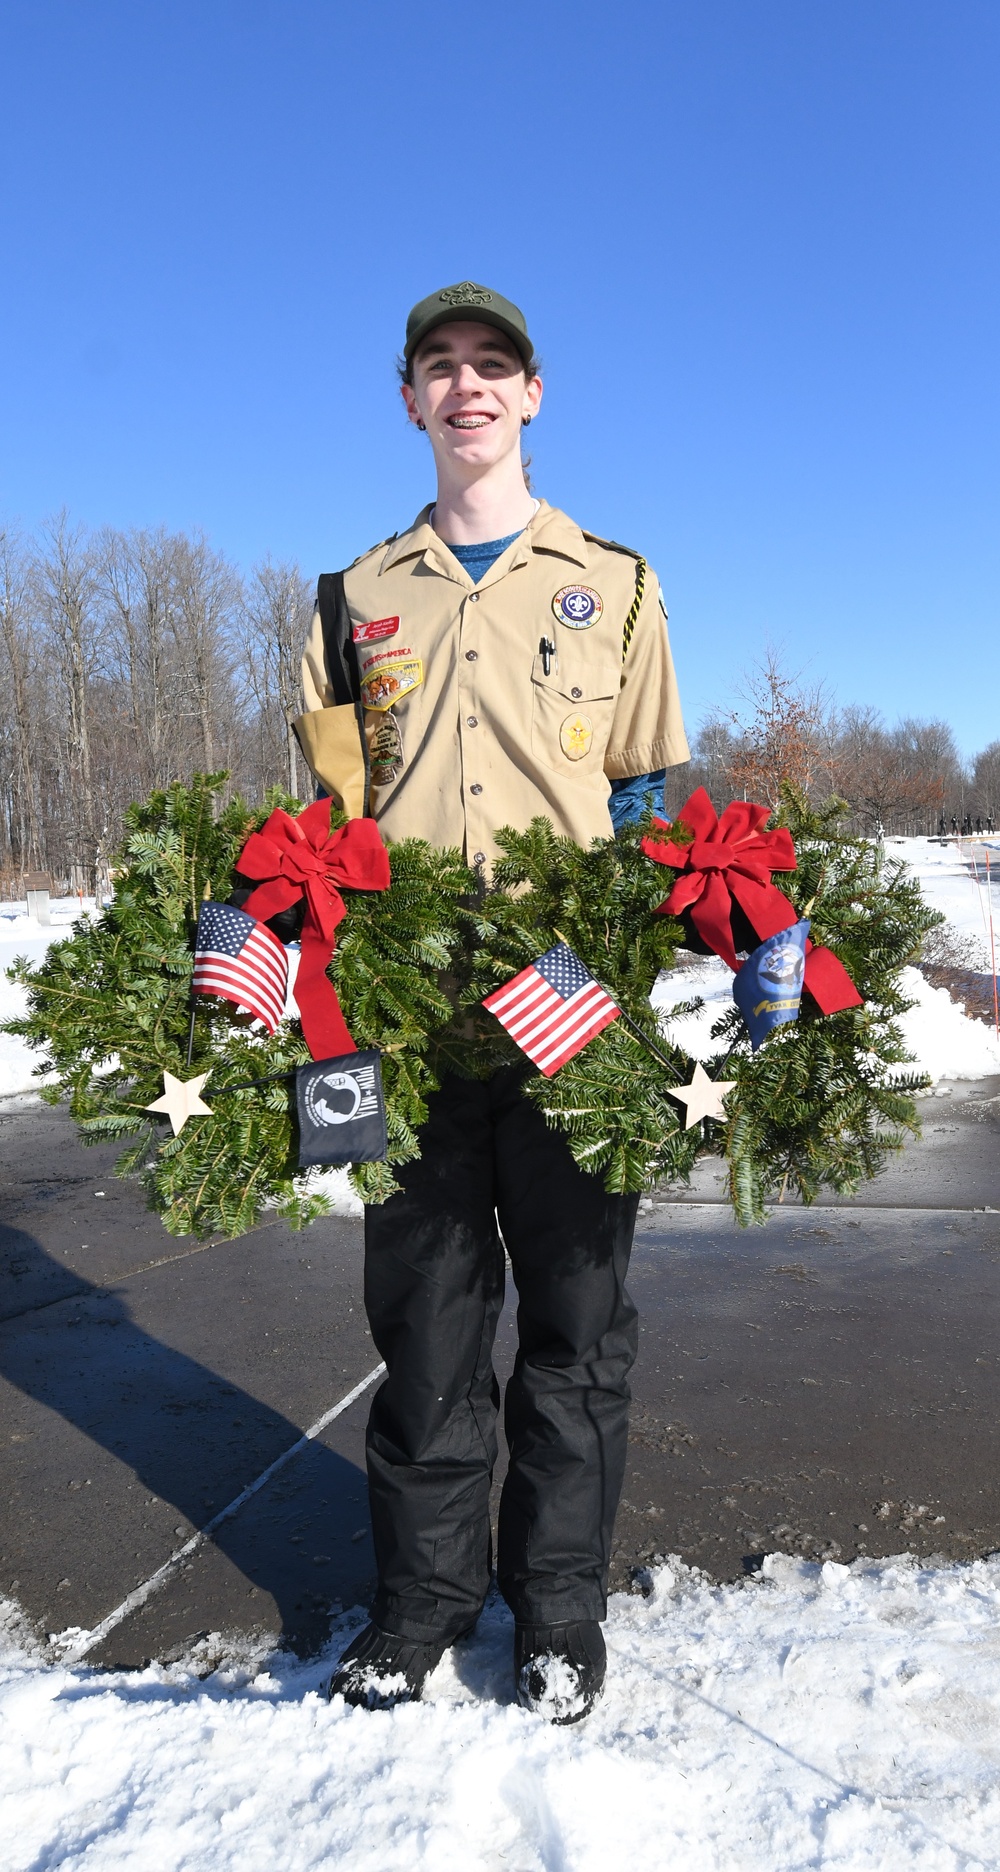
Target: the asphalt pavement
pixel 828 1385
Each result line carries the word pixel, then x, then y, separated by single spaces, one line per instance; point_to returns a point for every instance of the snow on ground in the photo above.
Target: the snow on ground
pixel 816 1716
pixel 944 1043
pixel 21 935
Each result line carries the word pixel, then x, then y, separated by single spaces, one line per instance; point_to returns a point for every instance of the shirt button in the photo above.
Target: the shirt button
pixel 479 857
pixel 473 597
pixel 471 656
pixel 473 721
pixel 576 694
pixel 475 789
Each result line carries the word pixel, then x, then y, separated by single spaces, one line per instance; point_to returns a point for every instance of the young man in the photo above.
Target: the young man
pixel 509 665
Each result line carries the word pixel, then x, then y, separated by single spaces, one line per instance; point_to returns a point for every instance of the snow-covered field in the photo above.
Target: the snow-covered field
pixel 816 1716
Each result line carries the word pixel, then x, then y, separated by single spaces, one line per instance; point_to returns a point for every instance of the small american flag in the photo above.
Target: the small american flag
pixel 552 1008
pixel 242 959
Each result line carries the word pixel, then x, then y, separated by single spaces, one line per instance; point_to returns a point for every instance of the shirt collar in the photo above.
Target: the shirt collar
pixel 549 531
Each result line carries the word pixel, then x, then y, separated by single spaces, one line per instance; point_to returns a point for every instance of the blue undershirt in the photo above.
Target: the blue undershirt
pixel 628 796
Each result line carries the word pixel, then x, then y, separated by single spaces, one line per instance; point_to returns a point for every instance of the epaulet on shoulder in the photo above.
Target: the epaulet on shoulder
pixel 372 549
pixel 612 545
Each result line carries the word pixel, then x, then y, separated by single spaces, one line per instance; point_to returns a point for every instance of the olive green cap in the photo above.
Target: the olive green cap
pixel 467 301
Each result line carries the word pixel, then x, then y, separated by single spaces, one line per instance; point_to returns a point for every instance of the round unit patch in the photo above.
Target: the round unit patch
pixel 578 606
pixel 575 736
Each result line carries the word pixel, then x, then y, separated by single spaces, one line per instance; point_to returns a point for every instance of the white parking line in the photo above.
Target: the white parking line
pixel 77 1644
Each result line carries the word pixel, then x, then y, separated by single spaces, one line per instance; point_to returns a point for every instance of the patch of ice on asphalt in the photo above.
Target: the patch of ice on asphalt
pixel 816 1716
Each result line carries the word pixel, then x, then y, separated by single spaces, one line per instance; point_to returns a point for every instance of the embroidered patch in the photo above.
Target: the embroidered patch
pixel 578 606
pixel 385 750
pixel 380 627
pixel 389 677
pixel 575 736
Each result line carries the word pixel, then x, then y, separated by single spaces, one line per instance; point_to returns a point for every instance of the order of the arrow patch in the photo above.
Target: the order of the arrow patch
pixel 385 750
pixel 386 678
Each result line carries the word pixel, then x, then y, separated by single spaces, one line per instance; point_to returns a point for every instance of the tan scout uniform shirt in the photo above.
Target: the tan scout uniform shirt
pixel 487 737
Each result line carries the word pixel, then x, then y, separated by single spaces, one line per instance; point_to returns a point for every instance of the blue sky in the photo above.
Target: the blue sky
pixel 756 241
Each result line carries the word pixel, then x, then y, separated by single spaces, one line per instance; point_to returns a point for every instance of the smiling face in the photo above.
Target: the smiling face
pixel 470 392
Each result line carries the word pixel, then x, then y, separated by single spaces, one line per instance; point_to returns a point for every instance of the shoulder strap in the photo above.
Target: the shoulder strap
pixel 339 648
pixel 341 657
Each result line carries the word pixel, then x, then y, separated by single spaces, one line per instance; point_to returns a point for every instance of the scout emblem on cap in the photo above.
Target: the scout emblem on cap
pixel 379 627
pixel 467 294
pixel 385 750
pixel 575 736
pixel 578 606
pixel 387 677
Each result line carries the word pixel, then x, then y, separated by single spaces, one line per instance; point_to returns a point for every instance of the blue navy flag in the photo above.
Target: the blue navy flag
pixel 768 988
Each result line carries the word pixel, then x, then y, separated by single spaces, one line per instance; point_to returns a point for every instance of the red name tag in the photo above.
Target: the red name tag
pixel 369 633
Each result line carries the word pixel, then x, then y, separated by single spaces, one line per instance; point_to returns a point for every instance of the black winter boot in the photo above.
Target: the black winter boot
pixel 559 1670
pixel 378 1670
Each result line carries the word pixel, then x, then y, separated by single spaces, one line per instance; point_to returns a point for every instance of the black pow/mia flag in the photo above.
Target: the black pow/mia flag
pixel 341 1110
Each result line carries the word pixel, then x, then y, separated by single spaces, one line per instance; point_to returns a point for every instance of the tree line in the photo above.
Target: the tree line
pixel 908 778
pixel 130 659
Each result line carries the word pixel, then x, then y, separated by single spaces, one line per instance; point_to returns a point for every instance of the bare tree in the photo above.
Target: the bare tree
pixel 274 618
pixel 65 575
pixel 205 596
pixel 985 789
pixel 23 815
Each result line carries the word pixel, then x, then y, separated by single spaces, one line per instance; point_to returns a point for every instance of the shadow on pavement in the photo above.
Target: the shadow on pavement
pixel 191 1438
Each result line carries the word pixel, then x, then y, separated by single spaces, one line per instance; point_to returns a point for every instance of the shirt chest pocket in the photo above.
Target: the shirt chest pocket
pixel 571 716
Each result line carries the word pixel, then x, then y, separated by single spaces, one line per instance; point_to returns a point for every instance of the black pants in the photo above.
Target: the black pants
pixel 434 1286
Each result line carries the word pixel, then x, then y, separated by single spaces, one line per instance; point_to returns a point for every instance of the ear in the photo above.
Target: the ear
pixel 407 393
pixel 532 400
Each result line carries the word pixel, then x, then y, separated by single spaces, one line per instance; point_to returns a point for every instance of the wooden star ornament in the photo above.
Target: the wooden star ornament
pixel 181 1100
pixel 703 1098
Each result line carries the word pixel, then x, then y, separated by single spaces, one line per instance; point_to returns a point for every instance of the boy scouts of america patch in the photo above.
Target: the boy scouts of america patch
pixel 385 678
pixel 578 606
pixel 575 736
pixel 385 750
pixel 379 627
pixel 341 1110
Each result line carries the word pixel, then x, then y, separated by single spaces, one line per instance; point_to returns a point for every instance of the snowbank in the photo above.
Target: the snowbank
pixel 21 935
pixel 818 1716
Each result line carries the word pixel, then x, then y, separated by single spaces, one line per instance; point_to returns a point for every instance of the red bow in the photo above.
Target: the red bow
pixel 303 858
pixel 731 859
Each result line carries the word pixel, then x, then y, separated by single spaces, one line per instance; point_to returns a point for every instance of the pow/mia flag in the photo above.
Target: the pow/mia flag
pixel 341 1110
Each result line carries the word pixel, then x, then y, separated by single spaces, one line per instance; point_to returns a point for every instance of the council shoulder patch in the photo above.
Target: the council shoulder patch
pixel 578 606
pixel 388 677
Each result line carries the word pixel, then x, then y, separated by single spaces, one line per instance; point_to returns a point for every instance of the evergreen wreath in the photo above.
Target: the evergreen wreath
pixel 820 1105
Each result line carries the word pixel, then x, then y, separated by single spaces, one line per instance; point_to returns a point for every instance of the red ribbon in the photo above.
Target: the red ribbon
pixel 303 858
pixel 731 860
